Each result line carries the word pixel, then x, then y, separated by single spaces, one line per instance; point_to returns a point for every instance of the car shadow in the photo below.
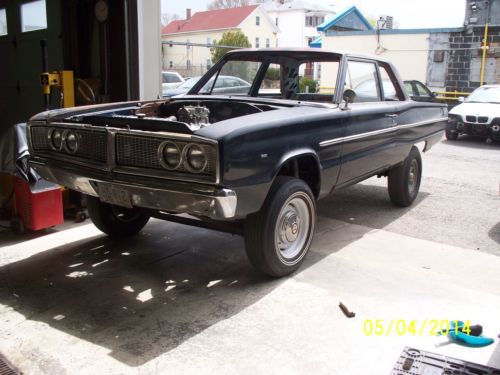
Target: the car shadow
pixel 143 296
pixel 366 205
pixel 494 233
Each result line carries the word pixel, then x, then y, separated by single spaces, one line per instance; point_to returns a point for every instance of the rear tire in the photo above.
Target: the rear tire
pixel 115 221
pixel 404 179
pixel 278 237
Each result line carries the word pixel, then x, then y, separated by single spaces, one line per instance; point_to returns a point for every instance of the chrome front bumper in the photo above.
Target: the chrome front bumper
pixel 177 197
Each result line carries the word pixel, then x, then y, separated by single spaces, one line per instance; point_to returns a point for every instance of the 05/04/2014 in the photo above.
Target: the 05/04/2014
pixel 401 327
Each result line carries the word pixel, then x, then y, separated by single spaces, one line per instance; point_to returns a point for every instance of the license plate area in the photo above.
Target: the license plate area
pixel 114 195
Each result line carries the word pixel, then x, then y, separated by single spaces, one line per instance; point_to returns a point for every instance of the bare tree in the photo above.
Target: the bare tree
pixel 222 4
pixel 166 18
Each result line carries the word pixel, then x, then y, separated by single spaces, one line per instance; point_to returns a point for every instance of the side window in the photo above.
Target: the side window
pixel 389 86
pixel 422 91
pixel 318 77
pixel 361 77
pixel 409 88
pixel 271 84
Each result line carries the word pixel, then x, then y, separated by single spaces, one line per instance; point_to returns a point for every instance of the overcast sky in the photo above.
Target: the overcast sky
pixel 407 14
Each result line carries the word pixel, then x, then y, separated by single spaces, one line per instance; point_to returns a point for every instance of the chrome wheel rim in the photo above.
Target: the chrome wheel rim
pixel 294 228
pixel 413 176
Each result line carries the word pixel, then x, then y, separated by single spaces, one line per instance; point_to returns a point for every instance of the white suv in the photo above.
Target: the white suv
pixel 479 115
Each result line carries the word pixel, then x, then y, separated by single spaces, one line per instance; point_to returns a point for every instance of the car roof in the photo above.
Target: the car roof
pixel 302 52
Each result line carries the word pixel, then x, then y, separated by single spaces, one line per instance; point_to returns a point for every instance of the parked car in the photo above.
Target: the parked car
pixel 170 80
pixel 415 89
pixel 253 164
pixel 224 85
pixel 478 115
pixel 420 92
pixel 182 88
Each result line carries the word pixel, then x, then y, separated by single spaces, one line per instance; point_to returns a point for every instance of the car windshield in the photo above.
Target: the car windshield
pixel 309 77
pixel 485 95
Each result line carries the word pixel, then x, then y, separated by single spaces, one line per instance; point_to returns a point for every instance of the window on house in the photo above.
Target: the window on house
pixel 268 43
pixel 209 41
pixel 257 20
pixel 313 21
pixel 33 16
pixel 209 63
pixel 3 22
pixel 257 43
pixel 188 64
pixel 276 21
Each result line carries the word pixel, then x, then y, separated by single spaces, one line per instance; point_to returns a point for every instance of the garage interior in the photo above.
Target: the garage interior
pixel 184 300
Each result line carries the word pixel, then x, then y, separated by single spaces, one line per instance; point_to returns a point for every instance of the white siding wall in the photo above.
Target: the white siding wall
pixel 408 52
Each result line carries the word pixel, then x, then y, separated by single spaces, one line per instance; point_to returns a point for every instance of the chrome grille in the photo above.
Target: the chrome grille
pixel 142 152
pixel 91 144
pixel 470 118
pixel 482 119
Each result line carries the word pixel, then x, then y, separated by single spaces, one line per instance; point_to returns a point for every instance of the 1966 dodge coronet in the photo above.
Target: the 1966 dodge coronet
pixel 252 163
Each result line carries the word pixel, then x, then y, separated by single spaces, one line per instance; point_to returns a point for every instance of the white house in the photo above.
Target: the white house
pixel 297 21
pixel 186 43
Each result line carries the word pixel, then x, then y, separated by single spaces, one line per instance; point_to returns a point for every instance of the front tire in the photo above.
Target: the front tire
pixel 404 179
pixel 115 221
pixel 451 135
pixel 278 237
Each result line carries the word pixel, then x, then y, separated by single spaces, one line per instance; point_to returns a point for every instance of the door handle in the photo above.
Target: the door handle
pixel 393 117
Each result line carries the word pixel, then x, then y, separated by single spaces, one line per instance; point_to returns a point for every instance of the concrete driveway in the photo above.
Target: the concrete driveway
pixel 184 300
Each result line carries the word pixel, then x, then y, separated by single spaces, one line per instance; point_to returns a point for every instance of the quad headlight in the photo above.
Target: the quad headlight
pixel 60 140
pixel 70 141
pixel 180 156
pixel 56 139
pixel 170 155
pixel 196 159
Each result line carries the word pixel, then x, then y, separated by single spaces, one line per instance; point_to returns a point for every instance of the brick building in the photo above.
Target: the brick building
pixel 465 53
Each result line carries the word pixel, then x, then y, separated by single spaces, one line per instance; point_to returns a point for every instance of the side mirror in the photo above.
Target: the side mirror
pixel 461 99
pixel 349 96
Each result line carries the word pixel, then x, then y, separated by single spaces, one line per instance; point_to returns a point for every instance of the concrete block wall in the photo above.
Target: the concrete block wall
pixel 465 59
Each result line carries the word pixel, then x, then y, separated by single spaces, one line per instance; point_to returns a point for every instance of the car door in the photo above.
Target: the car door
pixel 371 125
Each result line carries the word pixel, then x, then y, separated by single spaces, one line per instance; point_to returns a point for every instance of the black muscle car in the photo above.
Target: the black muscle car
pixel 252 163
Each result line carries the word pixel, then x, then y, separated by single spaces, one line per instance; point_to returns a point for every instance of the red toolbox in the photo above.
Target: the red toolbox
pixel 39 209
